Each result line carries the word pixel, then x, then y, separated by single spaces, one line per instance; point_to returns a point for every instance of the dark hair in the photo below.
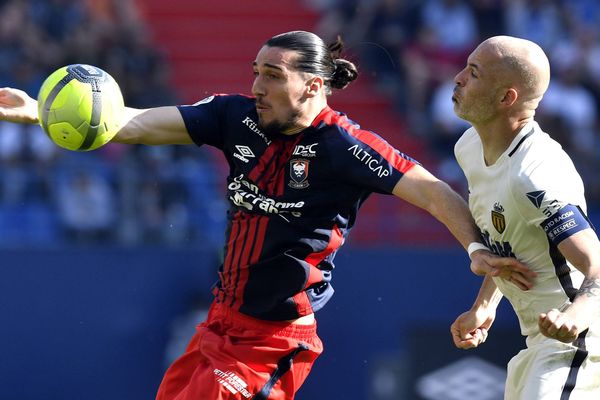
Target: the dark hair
pixel 317 58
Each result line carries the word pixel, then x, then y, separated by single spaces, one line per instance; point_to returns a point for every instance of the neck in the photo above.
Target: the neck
pixel 311 108
pixel 496 137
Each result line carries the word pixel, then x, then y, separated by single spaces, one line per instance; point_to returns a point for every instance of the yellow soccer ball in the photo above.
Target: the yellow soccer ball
pixel 80 107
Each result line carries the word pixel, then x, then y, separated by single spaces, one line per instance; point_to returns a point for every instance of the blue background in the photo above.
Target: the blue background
pixel 94 324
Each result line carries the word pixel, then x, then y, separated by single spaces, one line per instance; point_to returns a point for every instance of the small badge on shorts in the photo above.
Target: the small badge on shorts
pixel 299 173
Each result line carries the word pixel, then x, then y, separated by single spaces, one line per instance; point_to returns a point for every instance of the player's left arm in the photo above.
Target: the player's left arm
pixel 583 250
pixel 420 188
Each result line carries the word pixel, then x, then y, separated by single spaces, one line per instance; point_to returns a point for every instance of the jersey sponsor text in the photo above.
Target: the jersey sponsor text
pixel 369 161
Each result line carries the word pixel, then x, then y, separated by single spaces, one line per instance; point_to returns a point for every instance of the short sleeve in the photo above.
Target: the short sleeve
pixel 363 158
pixel 551 196
pixel 204 120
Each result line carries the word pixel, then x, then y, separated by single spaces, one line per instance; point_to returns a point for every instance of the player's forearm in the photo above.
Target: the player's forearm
pixel 583 251
pixel 489 295
pixel 585 308
pixel 419 187
pixel 154 126
pixel 449 208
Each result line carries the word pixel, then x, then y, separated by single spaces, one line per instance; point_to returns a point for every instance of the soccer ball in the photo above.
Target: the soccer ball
pixel 80 107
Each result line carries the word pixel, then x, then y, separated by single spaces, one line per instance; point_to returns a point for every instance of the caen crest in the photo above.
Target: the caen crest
pixel 299 173
pixel 498 218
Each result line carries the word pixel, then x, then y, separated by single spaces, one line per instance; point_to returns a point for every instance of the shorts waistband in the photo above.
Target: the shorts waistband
pixel 219 311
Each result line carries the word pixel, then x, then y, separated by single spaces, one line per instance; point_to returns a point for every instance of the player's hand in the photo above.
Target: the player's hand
pixel 508 268
pixel 558 325
pixel 471 328
pixel 17 106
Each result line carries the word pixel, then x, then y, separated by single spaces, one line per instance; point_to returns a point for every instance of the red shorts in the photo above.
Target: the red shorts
pixel 234 356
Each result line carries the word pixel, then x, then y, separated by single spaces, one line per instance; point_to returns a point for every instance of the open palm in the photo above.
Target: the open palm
pixel 17 106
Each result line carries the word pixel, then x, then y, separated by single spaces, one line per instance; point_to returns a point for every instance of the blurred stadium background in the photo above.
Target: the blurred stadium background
pixel 108 256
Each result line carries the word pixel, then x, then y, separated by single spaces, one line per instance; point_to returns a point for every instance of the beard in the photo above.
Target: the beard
pixel 276 127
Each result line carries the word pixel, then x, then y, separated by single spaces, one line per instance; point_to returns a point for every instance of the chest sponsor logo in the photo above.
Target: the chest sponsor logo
pixel 245 194
pixel 305 150
pixel 299 173
pixel 253 126
pixel 371 162
pixel 498 218
pixel 243 153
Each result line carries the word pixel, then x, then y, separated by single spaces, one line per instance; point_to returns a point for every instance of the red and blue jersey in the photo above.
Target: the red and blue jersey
pixel 293 200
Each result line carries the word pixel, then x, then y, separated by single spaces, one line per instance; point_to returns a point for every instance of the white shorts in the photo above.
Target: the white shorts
pixel 551 370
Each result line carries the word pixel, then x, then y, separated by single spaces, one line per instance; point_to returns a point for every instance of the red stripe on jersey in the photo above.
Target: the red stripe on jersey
pixel 301 299
pixel 335 241
pixel 283 169
pixel 250 255
pixel 234 248
pixel 237 264
pixel 303 303
pixel 330 117
pixel 244 261
pixel 260 238
pixel 260 170
pixel 270 172
pixel 232 242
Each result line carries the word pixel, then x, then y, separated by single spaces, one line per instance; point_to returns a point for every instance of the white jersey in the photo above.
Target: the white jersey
pixel 519 205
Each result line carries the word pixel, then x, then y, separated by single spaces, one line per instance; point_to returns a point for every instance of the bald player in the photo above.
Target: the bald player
pixel 528 201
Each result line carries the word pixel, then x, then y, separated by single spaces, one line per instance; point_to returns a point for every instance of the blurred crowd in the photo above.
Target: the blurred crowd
pixel 129 195
pixel 171 195
pixel 414 48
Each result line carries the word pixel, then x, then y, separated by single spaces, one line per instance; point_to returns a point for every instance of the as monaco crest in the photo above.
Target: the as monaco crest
pixel 498 218
pixel 299 173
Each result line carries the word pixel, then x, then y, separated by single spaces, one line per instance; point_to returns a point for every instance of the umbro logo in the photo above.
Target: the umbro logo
pixel 536 197
pixel 243 153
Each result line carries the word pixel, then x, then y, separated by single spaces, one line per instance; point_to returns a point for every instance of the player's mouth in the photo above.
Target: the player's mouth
pixel 455 97
pixel 261 106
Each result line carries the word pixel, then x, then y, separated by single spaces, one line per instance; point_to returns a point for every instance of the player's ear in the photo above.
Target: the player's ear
pixel 510 97
pixel 314 85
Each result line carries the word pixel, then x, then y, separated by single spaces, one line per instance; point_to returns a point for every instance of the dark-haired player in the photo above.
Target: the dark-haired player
pixel 299 172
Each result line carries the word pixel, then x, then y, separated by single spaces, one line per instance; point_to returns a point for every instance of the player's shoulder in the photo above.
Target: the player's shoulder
pixel 338 129
pixel 540 162
pixel 227 101
pixel 537 152
pixel 467 144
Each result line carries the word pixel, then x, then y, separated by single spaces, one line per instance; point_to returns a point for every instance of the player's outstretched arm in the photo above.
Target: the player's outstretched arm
pixel 471 328
pixel 153 126
pixel 17 106
pixel 161 125
pixel 583 251
pixel 421 188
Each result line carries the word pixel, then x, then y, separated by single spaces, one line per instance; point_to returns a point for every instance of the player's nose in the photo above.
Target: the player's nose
pixel 258 87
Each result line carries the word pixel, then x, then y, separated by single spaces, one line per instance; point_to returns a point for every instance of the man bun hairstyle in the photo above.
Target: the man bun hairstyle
pixel 314 57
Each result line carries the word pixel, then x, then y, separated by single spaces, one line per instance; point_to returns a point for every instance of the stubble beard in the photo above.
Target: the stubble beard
pixel 277 127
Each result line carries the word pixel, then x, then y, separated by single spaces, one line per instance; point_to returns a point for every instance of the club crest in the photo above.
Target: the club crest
pixel 498 218
pixel 299 173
